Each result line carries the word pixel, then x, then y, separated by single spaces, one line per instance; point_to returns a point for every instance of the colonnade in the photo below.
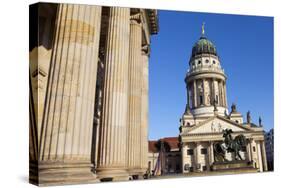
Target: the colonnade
pixel 65 141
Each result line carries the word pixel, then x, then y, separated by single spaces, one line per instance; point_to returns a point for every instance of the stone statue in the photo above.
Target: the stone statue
pixel 215 105
pixel 248 117
pixel 260 122
pixel 230 145
pixel 234 145
pixel 233 108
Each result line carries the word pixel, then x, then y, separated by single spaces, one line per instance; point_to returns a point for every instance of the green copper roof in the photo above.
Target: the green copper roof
pixel 203 46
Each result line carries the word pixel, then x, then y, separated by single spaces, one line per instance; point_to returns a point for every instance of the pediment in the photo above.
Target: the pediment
pixel 215 125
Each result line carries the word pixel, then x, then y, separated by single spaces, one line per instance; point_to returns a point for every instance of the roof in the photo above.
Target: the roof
pixel 203 46
pixel 172 141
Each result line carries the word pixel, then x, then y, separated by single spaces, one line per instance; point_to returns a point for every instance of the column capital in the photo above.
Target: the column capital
pixel 145 49
pixel 135 18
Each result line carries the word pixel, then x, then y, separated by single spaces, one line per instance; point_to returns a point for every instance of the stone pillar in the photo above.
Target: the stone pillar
pixel 258 145
pixel 134 96
pixel 220 93
pixel 204 92
pixel 188 97
pixel 184 149
pixel 198 153
pixel 144 108
pixel 65 144
pixel 224 92
pixel 211 153
pixel 194 94
pixel 112 162
pixel 249 153
pixel 264 159
pixel 213 91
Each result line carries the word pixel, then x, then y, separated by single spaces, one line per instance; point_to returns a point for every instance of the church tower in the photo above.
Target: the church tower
pixel 205 81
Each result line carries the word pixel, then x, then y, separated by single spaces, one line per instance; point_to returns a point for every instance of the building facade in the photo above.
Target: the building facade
pixel 206 115
pixel 269 147
pixel 88 92
pixel 171 158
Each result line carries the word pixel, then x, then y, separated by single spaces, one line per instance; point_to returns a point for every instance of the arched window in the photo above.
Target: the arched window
pixel 214 62
pixel 199 62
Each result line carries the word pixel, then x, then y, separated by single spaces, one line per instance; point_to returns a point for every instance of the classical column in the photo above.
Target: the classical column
pixel 112 160
pixel 264 159
pixel 194 94
pixel 134 95
pixel 225 97
pixel 259 156
pixel 65 144
pixel 249 153
pixel 188 103
pixel 144 108
pixel 220 93
pixel 204 90
pixel 211 153
pixel 213 91
pixel 198 153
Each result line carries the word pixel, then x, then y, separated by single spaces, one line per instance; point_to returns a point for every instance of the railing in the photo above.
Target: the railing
pixel 205 68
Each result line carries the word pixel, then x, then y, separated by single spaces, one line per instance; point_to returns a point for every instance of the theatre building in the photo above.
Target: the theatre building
pixel 88 92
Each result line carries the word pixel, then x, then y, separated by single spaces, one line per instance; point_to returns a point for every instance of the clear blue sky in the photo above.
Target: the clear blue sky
pixel 245 47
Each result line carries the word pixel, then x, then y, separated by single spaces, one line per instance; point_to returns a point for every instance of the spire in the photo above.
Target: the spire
pixel 203 29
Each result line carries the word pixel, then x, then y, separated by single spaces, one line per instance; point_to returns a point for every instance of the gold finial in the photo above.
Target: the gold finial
pixel 203 29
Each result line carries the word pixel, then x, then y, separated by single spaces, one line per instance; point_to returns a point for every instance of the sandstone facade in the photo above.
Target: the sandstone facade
pixel 88 92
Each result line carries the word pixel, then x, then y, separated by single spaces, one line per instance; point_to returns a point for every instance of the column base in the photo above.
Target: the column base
pixel 112 174
pixel 61 173
pixel 136 173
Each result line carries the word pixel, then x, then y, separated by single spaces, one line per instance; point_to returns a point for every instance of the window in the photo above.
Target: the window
pixel 204 151
pixel 177 167
pixel 191 169
pixel 207 61
pixel 214 62
pixel 199 62
pixel 237 121
pixel 190 152
pixel 201 100
pixel 254 149
pixel 204 168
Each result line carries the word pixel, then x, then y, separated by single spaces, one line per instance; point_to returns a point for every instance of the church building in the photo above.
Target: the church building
pixel 206 117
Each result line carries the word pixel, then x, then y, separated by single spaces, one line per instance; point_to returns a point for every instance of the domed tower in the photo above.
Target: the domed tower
pixel 205 81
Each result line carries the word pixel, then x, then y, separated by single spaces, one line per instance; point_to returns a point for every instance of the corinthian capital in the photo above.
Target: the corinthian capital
pixel 136 18
pixel 145 49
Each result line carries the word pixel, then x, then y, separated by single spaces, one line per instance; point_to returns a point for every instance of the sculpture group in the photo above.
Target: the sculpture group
pixel 230 144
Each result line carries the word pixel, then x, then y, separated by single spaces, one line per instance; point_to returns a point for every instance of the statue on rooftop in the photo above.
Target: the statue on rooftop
pixel 248 117
pixel 233 107
pixel 260 122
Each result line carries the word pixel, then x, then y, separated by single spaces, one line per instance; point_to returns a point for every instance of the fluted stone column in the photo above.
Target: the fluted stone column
pixel 65 144
pixel 211 153
pixel 112 160
pixel 194 94
pixel 225 96
pixel 264 160
pixel 134 105
pixel 144 108
pixel 204 90
pixel 213 92
pixel 249 155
